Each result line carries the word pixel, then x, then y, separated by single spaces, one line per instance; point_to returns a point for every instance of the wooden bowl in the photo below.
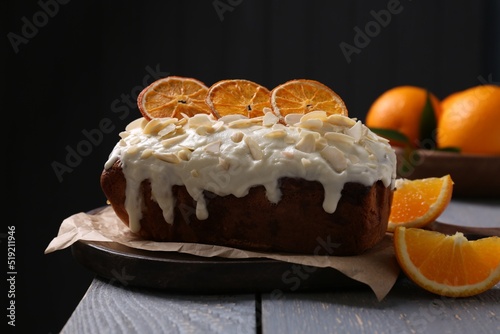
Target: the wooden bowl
pixel 473 175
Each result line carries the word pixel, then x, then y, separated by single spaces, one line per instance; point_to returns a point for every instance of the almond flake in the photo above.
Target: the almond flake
pixel 224 164
pixel 341 120
pixel 305 132
pixel 169 128
pixel 336 137
pixel 307 144
pixel 217 126
pixel 184 154
pixel 292 119
pixel 276 134
pixel 199 120
pixel 244 123
pixel 317 114
pixel 213 147
pixel 134 141
pixel 138 123
pixel 230 118
pixel 146 153
pixel 203 130
pixel 167 157
pixel 335 158
pixel 195 173
pixel 270 119
pixel 310 124
pixel 153 126
pixel 124 134
pixel 237 136
pixel 255 150
pixel 173 141
pixel 132 149
pixel 356 131
pixel 182 121
pixel 321 143
pixel 305 162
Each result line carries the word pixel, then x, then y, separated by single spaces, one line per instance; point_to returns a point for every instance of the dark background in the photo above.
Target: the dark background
pixel 85 61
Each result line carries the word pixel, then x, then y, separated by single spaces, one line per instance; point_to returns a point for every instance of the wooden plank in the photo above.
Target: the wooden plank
pixel 114 308
pixel 407 309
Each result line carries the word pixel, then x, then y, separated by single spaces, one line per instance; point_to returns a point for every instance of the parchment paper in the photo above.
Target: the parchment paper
pixel 377 268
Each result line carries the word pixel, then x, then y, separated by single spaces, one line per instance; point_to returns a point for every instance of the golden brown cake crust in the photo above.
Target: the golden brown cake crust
pixel 297 224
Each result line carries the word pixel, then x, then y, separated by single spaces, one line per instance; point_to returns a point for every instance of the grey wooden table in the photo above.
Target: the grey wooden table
pixel 111 307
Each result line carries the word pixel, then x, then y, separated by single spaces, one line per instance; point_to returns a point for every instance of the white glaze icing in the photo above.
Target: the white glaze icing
pixel 233 154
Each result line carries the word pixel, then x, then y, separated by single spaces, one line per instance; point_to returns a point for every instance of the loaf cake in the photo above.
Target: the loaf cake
pixel 316 184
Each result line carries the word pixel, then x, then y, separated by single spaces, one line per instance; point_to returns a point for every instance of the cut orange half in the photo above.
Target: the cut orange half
pixel 446 265
pixel 173 96
pixel 417 203
pixel 238 96
pixel 301 96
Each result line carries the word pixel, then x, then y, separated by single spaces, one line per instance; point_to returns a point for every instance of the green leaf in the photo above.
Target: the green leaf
pixel 392 135
pixel 449 149
pixel 428 125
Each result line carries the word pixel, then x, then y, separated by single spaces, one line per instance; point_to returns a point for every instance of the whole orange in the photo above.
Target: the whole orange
pixel 400 108
pixel 471 120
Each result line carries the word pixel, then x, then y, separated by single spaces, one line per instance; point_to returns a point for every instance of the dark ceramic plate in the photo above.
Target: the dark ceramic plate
pixel 194 274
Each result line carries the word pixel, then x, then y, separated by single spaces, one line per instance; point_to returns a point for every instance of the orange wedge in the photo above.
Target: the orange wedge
pixel 417 203
pixel 446 265
pixel 173 96
pixel 301 96
pixel 237 96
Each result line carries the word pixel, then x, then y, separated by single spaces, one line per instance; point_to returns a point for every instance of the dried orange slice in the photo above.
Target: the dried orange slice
pixel 417 203
pixel 446 265
pixel 173 96
pixel 301 96
pixel 237 96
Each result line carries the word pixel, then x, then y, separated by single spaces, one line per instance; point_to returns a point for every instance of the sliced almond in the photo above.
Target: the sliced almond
pixel 275 134
pixel 335 158
pixel 169 142
pixel 305 162
pixel 316 114
pixel 230 118
pixel 270 119
pixel 146 153
pixel 155 125
pixel 167 157
pixel 254 147
pixel 356 131
pixel 168 129
pixel 341 120
pixel 224 164
pixel 292 119
pixel 184 154
pixel 245 123
pixel 336 137
pixel 307 144
pixel 199 120
pixel 311 124
pixel 138 123
pixel 213 147
pixel 236 137
pixel 132 149
pixel 321 143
